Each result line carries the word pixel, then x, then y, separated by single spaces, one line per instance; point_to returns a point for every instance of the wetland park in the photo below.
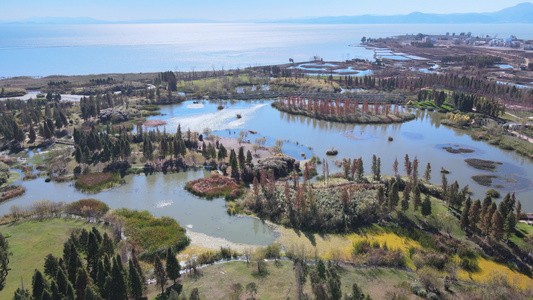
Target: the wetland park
pixel 404 175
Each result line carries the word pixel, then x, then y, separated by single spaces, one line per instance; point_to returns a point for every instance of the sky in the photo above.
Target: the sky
pixel 235 10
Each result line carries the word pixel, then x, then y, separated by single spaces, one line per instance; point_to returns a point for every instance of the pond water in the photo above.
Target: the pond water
pixel 424 137
pixel 161 195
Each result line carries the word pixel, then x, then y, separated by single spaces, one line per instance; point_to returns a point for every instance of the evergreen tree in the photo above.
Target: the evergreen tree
pixel 82 281
pixel 74 262
pixel 360 169
pixel 334 284
pixel 160 274
pixel 32 135
pixel 374 165
pixel 465 216
pixel 4 260
pixel 249 157
pixel 509 224
pixel 195 295
pixel 357 293
pixel 242 158
pixel 172 267
pixel 416 198
pixel 222 152
pixel 394 197
pixel 380 196
pixel 107 246
pixel 90 294
pixel 93 251
pixel 22 294
pixel 497 225
pixel 118 289
pixel 405 199
pixel 426 206
pixel 39 285
pixel 444 185
pixel 474 214
pixel 135 281
pixel 518 210
pixel 427 173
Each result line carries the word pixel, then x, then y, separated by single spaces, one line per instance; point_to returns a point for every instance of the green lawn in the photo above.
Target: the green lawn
pixel 30 242
pixel 13 177
pixel 215 281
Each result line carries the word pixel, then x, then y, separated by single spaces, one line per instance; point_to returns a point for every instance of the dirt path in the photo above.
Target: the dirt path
pixel 522 136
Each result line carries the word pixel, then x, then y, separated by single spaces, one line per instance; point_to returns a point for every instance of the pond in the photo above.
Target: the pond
pixel 161 195
pixel 424 138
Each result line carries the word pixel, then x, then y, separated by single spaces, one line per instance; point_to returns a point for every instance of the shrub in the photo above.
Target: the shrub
pixel 215 186
pixel 88 208
pixel 493 193
pixel 96 182
pixel 152 235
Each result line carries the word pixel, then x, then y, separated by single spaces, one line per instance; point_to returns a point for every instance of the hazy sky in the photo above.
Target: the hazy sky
pixel 226 10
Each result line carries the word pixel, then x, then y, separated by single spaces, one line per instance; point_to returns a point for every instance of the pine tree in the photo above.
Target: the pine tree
pixel 32 135
pixel 380 196
pixel 395 167
pixel 82 281
pixel 249 157
pixel 474 214
pixel 357 293
pixel 39 285
pixel 427 173
pixel 93 255
pixel 518 210
pixel 90 294
pixel 405 199
pixel 195 295
pixel 416 198
pixel 107 246
pixel 4 260
pixel 172 267
pixel 160 274
pixel 394 197
pixel 241 158
pixel 509 224
pixel 135 281
pixel 496 228
pixel 334 284
pixel 426 206
pixel 444 185
pixel 118 289
pixel 360 169
pixel 465 216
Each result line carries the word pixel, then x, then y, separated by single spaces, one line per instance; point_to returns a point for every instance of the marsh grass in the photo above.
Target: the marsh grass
pixel 96 182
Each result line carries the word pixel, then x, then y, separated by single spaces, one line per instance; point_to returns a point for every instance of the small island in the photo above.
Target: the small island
pixel 344 111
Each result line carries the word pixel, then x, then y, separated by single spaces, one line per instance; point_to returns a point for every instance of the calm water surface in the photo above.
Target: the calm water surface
pixel 41 50
pixel 163 195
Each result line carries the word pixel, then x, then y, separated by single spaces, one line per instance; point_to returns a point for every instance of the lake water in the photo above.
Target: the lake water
pixel 424 137
pixel 41 50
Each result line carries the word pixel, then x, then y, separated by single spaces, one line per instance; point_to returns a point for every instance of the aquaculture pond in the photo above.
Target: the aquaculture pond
pixel 424 138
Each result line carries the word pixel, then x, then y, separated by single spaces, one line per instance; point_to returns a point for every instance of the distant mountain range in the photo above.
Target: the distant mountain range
pixel 520 13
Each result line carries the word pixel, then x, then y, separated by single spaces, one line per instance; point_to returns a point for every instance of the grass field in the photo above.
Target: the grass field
pixel 280 283
pixel 30 242
pixel 14 176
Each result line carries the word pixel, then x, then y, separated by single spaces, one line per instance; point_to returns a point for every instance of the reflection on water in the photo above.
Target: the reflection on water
pixel 161 195
pixel 422 138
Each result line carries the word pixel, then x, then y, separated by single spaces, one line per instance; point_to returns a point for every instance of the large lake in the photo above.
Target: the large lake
pixel 423 137
pixel 41 50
